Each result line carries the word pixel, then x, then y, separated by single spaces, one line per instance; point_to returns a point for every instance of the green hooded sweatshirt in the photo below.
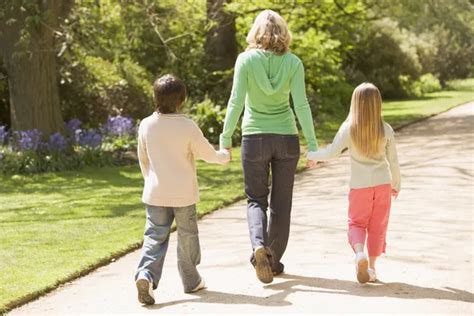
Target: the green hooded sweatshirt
pixel 263 82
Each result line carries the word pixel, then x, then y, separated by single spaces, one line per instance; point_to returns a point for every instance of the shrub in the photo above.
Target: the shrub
pixel 30 152
pixel 428 83
pixel 209 118
pixel 416 88
pixel 386 56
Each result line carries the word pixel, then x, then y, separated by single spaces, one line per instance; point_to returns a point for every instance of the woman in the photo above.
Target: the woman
pixel 265 76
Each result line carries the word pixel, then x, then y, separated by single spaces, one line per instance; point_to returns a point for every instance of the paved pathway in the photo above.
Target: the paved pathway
pixel 428 267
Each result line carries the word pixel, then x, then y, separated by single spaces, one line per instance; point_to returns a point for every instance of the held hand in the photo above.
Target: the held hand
pixel 311 164
pixel 394 193
pixel 229 150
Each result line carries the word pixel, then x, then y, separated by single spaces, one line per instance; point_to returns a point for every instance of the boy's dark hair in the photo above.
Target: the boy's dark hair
pixel 170 93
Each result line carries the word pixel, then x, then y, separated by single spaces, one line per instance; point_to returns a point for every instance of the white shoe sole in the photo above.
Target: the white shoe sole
pixel 200 286
pixel 362 271
pixel 144 297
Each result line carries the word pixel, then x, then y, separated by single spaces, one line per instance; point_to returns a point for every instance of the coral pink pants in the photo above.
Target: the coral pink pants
pixel 369 209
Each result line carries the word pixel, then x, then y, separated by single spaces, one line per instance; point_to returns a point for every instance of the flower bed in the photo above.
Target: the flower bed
pixel 31 152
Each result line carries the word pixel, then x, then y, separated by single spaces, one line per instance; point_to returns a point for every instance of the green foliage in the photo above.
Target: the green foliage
pixel 111 51
pixel 428 83
pixel 120 143
pixel 385 57
pixel 445 25
pixel 29 162
pixel 210 118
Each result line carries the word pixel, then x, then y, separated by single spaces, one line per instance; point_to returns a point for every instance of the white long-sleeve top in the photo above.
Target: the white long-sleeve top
pixel 168 145
pixel 365 172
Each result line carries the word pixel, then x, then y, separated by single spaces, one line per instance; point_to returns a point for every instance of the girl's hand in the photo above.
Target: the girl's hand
pixel 394 193
pixel 311 164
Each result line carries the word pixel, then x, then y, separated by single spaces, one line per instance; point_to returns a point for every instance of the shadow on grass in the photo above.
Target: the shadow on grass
pixel 303 284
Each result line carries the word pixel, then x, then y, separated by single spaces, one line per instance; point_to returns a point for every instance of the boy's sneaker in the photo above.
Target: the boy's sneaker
pixel 200 286
pixel 145 292
pixel 362 265
pixel 262 265
pixel 372 275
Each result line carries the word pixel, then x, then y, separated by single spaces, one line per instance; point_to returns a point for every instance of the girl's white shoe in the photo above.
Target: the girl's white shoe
pixel 362 265
pixel 372 275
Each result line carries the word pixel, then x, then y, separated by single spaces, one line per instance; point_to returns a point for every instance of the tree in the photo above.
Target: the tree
pixel 27 31
pixel 220 47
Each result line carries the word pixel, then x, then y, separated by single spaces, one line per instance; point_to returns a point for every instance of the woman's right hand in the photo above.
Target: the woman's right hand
pixel 394 193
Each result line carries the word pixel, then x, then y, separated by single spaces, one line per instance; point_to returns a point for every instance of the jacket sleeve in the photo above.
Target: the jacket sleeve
pixel 341 141
pixel 142 153
pixel 392 157
pixel 202 149
pixel 302 109
pixel 236 103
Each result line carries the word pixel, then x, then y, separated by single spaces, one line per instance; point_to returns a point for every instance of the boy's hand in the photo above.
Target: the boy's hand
pixel 311 164
pixel 394 193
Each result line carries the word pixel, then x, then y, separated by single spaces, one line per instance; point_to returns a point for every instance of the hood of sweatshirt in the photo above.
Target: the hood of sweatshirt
pixel 270 71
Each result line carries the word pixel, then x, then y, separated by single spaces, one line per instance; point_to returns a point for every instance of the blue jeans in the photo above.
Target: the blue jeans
pixel 262 153
pixel 155 244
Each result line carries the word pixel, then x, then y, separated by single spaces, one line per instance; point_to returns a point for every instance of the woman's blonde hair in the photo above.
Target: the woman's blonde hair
pixel 269 32
pixel 367 131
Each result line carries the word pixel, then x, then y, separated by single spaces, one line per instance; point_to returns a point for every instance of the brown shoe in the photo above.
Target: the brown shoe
pixel 262 265
pixel 279 269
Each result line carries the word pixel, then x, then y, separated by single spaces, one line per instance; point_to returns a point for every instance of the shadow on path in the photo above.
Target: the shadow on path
pixel 297 283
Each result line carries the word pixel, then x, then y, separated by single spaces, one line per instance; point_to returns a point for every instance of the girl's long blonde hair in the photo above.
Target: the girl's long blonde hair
pixel 269 32
pixel 367 131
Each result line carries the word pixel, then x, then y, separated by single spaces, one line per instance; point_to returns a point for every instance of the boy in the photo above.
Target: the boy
pixel 168 144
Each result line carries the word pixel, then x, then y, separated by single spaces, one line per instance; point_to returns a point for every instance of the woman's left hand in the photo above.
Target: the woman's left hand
pixel 229 150
pixel 311 164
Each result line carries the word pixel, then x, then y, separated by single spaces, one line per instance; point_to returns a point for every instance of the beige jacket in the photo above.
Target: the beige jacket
pixel 365 172
pixel 168 145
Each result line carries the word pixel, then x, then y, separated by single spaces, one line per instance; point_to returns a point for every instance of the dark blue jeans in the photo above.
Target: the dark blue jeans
pixel 262 153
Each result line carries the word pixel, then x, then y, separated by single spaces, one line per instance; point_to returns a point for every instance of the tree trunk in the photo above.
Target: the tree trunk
pixel 30 63
pixel 221 49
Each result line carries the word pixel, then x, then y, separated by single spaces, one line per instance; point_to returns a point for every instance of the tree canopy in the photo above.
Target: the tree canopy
pixel 104 55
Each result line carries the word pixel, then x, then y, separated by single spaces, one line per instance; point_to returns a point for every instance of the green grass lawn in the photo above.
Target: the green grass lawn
pixel 55 226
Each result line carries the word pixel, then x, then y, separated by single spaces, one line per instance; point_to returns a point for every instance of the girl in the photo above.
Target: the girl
pixel 375 175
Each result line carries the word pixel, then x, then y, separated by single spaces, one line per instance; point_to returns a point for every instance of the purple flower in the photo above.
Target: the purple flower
pixel 88 138
pixel 119 126
pixel 57 142
pixel 26 140
pixel 73 125
pixel 3 134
